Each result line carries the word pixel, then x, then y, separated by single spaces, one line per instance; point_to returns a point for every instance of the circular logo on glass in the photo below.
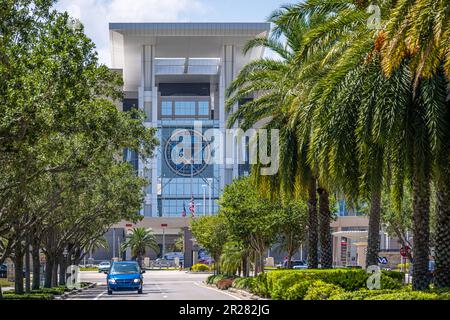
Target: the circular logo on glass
pixel 187 153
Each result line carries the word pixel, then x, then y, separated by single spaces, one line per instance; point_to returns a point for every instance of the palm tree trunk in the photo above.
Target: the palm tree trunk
pixel 326 252
pixel 442 239
pixel 373 243
pixel 421 229
pixel 313 262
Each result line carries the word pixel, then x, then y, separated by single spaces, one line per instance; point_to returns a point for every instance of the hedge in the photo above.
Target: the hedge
pixel 412 295
pixel 291 284
pixel 244 283
pixel 29 296
pixel 200 267
pixel 360 294
pixel 215 278
pixel 320 290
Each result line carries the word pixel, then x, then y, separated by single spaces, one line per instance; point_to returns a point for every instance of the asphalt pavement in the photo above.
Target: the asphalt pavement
pixel 158 285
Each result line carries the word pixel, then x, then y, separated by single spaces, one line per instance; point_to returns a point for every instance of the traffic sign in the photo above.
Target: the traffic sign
pixel 404 251
pixel 382 260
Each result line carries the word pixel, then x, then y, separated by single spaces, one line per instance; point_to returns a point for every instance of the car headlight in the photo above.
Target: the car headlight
pixel 112 281
pixel 137 280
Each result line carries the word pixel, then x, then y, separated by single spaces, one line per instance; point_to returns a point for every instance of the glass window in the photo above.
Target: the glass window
pixel 184 108
pixel 203 108
pixel 166 108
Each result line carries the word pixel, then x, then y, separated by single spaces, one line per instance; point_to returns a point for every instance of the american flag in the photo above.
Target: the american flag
pixel 192 206
pixel 184 210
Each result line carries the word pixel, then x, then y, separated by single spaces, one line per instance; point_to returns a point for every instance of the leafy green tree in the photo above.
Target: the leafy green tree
pixel 292 226
pixel 138 241
pixel 211 232
pixel 251 218
pixel 61 135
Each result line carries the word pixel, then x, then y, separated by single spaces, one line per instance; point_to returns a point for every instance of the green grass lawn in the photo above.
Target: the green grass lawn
pixel 6 283
pixel 89 269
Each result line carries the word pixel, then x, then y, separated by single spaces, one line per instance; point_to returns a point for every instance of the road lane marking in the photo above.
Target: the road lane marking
pixel 98 296
pixel 217 290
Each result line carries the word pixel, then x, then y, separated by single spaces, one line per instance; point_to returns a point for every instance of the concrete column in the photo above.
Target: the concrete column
pixel 188 247
pixel 360 250
pixel 222 120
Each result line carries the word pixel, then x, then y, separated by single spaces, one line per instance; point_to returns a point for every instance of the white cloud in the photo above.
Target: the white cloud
pixel 96 14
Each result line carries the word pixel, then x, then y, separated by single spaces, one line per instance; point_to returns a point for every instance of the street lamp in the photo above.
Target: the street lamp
pixel 210 181
pixel 204 199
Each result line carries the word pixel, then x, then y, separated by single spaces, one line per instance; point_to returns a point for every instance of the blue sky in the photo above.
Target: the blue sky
pixel 96 14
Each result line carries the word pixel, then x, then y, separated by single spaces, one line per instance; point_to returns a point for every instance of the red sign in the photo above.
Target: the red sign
pixel 128 225
pixel 164 225
pixel 404 251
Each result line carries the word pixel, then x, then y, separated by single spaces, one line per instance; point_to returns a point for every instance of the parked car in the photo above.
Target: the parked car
pixel 104 266
pixel 206 260
pixel 163 263
pixel 295 264
pixel 125 276
pixel 3 271
pixel 172 255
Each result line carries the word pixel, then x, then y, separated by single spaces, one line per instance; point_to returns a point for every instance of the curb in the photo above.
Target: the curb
pixel 240 292
pixel 74 292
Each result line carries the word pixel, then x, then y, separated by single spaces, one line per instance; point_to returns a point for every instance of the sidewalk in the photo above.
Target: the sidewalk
pixel 7 288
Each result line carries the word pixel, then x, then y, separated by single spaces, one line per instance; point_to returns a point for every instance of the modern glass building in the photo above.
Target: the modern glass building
pixel 177 73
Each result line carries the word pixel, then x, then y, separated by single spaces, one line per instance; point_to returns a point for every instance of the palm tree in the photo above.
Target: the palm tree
pixel 231 258
pixel 138 241
pixel 418 32
pixel 411 114
pixel 275 88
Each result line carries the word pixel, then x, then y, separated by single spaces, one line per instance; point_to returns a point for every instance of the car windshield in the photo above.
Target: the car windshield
pixel 124 268
pixel 104 264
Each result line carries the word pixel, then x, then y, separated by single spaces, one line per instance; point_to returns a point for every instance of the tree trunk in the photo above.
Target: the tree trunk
pixel 312 226
pixel 245 266
pixel 27 267
pixel 261 260
pixel 421 229
pixel 36 283
pixel 373 241
pixel 62 271
pixel 18 270
pixel 48 272
pixel 55 274
pixel 442 238
pixel 326 251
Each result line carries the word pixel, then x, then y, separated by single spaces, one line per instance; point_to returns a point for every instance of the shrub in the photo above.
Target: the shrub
pixel 275 284
pixel 244 283
pixel 297 291
pixel 359 295
pixel 388 282
pixel 412 295
pixel 200 267
pixel 320 290
pixel 30 296
pixel 215 278
pixel 260 286
pixel 224 284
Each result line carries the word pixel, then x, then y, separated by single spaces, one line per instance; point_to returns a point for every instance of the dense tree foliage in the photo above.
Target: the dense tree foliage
pixel 62 181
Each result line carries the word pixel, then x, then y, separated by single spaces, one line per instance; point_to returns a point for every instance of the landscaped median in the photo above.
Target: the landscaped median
pixel 335 284
pixel 60 292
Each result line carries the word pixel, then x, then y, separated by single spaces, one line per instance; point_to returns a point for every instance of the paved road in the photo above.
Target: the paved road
pixel 158 285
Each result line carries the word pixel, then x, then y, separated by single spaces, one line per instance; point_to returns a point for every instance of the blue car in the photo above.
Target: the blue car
pixel 125 276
